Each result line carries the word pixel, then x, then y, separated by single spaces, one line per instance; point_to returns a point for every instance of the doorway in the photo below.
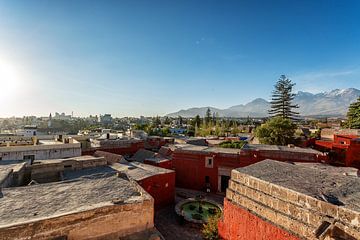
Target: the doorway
pixel 224 182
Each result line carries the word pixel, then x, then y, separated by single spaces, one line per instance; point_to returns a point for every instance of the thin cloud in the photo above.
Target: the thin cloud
pixel 319 81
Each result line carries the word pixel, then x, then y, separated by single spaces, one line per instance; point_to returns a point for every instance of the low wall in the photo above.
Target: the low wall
pixel 297 214
pixel 109 222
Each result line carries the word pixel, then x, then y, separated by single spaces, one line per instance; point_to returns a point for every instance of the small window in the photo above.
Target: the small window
pixel 209 162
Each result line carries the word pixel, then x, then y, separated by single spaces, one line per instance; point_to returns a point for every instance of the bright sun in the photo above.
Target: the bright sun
pixel 9 81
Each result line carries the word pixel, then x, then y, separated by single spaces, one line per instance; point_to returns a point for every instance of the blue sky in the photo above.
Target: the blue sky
pixel 133 58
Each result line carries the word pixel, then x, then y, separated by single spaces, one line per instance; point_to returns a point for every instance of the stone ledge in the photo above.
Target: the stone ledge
pixel 294 227
pixel 298 199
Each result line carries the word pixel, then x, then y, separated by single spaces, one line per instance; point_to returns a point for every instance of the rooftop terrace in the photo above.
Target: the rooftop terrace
pixel 247 147
pixel 35 202
pixel 315 182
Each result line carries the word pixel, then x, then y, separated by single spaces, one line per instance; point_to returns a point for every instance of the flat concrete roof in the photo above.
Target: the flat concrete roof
pixel 8 166
pixel 139 171
pixel 264 147
pixel 142 154
pixel 157 159
pixel 346 171
pixel 205 149
pixel 31 203
pixel 247 147
pixel 318 183
pixel 78 159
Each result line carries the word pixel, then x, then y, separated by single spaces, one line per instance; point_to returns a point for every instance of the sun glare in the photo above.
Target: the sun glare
pixel 9 81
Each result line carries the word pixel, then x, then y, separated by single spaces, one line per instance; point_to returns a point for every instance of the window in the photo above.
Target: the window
pixel 209 162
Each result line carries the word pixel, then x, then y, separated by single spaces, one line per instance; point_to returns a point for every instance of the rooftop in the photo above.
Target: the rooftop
pixel 41 201
pixel 77 159
pixel 252 147
pixel 6 167
pixel 139 171
pixel 142 154
pixel 265 147
pixel 315 182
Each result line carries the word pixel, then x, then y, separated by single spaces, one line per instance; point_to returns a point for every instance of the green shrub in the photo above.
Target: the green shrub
pixel 233 144
pixel 210 229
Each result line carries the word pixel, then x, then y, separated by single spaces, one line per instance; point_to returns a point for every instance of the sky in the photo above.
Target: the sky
pixel 132 58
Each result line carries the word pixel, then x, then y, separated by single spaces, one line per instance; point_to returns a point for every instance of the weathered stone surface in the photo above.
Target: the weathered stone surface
pixel 271 191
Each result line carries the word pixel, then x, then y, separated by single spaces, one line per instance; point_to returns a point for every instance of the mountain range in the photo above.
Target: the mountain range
pixel 333 103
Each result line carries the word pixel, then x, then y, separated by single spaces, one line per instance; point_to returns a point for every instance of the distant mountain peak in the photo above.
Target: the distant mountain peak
pixel 332 103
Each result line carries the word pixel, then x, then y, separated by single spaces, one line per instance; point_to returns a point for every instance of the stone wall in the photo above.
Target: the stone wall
pixel 109 222
pixel 297 214
pixel 51 171
pixel 238 221
pixel 41 152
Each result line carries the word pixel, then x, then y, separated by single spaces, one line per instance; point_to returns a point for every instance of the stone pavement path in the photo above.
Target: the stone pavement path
pixel 166 218
pixel 166 223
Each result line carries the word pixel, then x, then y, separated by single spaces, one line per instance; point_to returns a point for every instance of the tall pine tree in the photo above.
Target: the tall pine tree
pixel 353 115
pixel 282 97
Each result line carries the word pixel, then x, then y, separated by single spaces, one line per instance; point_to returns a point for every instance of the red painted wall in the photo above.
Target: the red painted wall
pixel 134 147
pixel 240 224
pixel 353 154
pixel 345 150
pixel 191 171
pixel 163 164
pixel 161 187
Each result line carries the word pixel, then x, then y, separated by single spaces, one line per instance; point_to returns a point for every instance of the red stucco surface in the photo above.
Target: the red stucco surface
pixel 163 164
pixel 161 187
pixel 132 149
pixel 239 224
pixel 191 170
pixel 345 148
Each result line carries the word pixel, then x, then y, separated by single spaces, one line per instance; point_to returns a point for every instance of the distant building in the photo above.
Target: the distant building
pixel 106 119
pixel 343 149
pixel 30 148
pixel 30 131
pixel 177 131
pixel 50 121
pixel 62 116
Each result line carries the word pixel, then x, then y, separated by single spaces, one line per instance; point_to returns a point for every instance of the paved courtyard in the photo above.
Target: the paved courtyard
pixel 166 219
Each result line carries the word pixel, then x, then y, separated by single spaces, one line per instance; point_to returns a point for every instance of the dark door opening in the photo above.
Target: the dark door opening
pixel 224 182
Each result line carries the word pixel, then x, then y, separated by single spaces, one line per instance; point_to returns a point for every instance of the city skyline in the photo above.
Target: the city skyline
pixel 151 59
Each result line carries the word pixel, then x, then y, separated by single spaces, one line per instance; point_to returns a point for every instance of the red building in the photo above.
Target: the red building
pixel 156 142
pixel 343 149
pixel 202 168
pixel 159 161
pixel 158 182
pixel 122 147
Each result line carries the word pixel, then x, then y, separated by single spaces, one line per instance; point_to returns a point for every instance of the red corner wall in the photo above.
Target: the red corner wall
pixel 161 187
pixel 239 224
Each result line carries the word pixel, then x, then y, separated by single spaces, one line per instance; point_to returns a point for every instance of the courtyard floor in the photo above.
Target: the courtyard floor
pixel 166 218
